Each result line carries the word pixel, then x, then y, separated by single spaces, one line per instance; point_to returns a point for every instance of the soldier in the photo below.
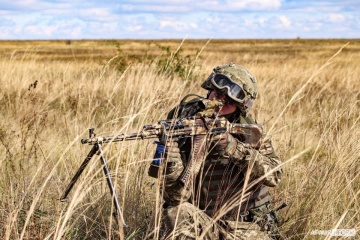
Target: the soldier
pixel 229 198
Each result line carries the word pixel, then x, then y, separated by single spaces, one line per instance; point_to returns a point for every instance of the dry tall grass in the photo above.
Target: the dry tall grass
pixel 52 92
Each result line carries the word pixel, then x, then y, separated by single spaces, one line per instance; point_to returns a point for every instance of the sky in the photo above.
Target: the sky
pixel 179 19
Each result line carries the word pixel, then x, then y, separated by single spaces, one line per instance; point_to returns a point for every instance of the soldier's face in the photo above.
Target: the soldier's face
pixel 228 108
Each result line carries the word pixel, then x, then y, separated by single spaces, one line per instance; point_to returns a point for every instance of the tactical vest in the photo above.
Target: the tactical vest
pixel 220 180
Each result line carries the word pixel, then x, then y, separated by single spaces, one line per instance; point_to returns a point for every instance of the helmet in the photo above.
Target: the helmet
pixel 235 82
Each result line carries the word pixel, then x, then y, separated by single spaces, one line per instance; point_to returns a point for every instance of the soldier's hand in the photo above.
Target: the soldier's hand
pixel 174 165
pixel 172 152
pixel 224 144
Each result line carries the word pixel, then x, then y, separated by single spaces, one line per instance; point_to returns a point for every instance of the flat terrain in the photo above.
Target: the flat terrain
pixel 52 91
pixel 68 50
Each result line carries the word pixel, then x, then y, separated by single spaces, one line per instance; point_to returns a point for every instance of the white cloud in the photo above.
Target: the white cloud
pixel 254 4
pixel 5 33
pixel 177 18
pixel 97 14
pixel 205 5
pixel 135 28
pixel 157 2
pixel 279 22
pixel 285 21
pixel 177 25
pixel 261 20
pixel 28 6
pixel 213 20
pixel 154 8
pixel 40 30
pixel 335 17
pixel 251 23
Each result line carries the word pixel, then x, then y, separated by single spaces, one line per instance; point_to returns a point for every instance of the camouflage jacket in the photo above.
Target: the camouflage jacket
pixel 222 178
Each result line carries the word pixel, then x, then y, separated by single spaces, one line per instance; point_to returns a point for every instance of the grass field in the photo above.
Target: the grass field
pixel 53 91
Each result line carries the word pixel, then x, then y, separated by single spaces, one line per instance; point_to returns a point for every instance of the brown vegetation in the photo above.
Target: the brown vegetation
pixel 52 91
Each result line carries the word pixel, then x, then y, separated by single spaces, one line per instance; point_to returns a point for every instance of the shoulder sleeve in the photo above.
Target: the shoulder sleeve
pixel 264 161
pixel 267 164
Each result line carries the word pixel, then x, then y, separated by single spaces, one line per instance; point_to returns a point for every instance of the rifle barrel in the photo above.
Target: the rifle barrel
pixel 117 138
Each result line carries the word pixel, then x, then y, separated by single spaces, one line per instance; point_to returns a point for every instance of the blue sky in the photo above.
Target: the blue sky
pixel 161 19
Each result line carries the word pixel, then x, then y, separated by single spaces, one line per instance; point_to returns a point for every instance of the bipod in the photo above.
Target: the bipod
pixel 96 149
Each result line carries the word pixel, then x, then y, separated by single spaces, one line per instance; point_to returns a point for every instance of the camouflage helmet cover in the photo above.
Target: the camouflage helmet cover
pixel 239 75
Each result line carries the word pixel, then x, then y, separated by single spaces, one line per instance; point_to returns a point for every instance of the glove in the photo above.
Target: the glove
pixel 224 144
pixel 242 153
pixel 174 164
pixel 173 193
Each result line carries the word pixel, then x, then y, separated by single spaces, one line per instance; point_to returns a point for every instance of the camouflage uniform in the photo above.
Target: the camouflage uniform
pixel 216 205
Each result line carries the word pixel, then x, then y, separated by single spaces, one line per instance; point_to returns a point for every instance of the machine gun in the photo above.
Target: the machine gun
pixel 205 123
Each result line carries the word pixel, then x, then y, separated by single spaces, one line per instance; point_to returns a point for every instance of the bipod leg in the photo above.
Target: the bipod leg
pixel 118 211
pixel 92 152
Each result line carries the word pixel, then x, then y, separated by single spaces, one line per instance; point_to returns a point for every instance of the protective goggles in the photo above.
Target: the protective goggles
pixel 233 90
